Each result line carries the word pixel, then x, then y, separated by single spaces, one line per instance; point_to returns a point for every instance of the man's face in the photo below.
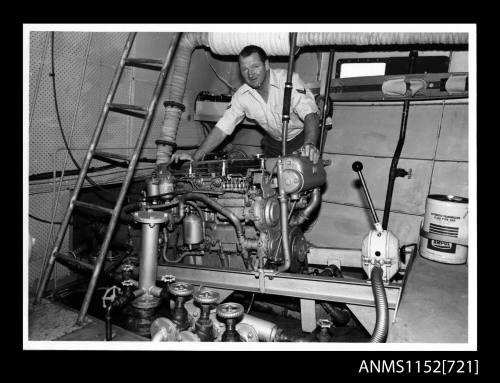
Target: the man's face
pixel 253 70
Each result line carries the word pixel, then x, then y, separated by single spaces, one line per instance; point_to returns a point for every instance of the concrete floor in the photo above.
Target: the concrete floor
pixel 50 321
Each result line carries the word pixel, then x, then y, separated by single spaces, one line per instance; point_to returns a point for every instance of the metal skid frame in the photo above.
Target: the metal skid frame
pixel 293 285
pixel 307 288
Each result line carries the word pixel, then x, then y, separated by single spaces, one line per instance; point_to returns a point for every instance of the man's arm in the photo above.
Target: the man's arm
pixel 213 140
pixel 311 135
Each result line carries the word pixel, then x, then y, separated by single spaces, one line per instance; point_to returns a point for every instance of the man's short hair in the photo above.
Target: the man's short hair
pixel 250 49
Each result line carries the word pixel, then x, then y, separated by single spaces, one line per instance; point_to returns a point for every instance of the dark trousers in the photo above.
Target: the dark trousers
pixel 272 147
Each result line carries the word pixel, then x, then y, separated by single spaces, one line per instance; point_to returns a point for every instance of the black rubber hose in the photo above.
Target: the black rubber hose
pixel 307 213
pixel 382 323
pixel 340 317
pixel 109 327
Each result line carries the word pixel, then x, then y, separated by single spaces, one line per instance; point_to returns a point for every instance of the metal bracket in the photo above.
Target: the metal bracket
pixel 261 274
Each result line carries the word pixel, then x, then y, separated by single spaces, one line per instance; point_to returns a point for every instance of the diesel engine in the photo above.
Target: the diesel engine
pixel 226 213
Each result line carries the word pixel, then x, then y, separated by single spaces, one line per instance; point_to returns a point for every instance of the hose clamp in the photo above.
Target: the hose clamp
pixel 166 143
pixel 174 104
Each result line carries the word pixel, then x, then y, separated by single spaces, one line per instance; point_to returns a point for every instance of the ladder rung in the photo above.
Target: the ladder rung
pixel 75 261
pixel 131 110
pixel 108 157
pixel 111 155
pixel 152 64
pixel 94 207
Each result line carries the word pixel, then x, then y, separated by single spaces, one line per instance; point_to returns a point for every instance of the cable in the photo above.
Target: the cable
pixel 55 200
pixel 44 220
pixel 232 88
pixel 53 75
pixel 48 175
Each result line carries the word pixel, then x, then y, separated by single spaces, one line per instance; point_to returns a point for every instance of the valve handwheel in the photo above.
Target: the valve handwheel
pixel 230 310
pixel 181 289
pixel 206 297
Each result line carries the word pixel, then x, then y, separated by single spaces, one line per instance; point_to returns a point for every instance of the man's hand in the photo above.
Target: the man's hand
pixel 181 156
pixel 309 150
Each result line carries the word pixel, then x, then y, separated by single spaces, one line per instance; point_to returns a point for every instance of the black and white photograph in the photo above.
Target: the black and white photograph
pixel 250 187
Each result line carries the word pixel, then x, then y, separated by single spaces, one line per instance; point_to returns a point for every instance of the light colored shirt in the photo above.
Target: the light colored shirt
pixel 247 102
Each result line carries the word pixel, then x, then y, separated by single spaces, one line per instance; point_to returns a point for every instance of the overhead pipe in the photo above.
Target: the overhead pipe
pixel 325 103
pixel 281 187
pixel 274 44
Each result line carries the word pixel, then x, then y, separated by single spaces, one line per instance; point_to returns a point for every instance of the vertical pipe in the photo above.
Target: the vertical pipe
pixel 288 93
pixel 399 148
pixel 149 256
pixel 128 177
pixel 286 118
pixel 325 104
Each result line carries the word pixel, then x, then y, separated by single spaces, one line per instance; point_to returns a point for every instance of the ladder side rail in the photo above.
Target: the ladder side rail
pixel 128 177
pixel 83 172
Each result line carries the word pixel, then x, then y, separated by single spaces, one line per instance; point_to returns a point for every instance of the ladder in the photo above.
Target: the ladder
pixel 131 110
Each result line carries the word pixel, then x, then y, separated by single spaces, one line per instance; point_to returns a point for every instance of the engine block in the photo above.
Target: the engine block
pixel 248 190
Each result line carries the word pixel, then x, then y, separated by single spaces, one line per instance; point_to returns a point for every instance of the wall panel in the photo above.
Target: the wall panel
pixel 454 137
pixel 450 178
pixel 409 194
pixel 374 130
pixel 345 226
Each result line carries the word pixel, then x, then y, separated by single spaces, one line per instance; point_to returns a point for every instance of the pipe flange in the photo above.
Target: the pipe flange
pixel 150 217
pixel 230 310
pixel 180 289
pixel 247 332
pixel 206 296
pixel 167 327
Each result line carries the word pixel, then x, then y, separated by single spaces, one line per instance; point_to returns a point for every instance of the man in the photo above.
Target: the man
pixel 260 98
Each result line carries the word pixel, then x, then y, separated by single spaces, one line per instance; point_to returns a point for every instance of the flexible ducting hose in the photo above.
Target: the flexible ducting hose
pixel 275 44
pixel 176 86
pixel 382 322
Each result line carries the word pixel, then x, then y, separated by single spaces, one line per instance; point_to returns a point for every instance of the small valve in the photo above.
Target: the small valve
pixel 110 295
pixel 206 297
pixel 128 283
pixel 127 267
pixel 180 289
pixel 323 335
pixel 232 314
pixel 168 278
pixel 204 325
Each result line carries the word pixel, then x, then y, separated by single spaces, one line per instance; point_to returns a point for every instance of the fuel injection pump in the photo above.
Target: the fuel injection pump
pixel 380 261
